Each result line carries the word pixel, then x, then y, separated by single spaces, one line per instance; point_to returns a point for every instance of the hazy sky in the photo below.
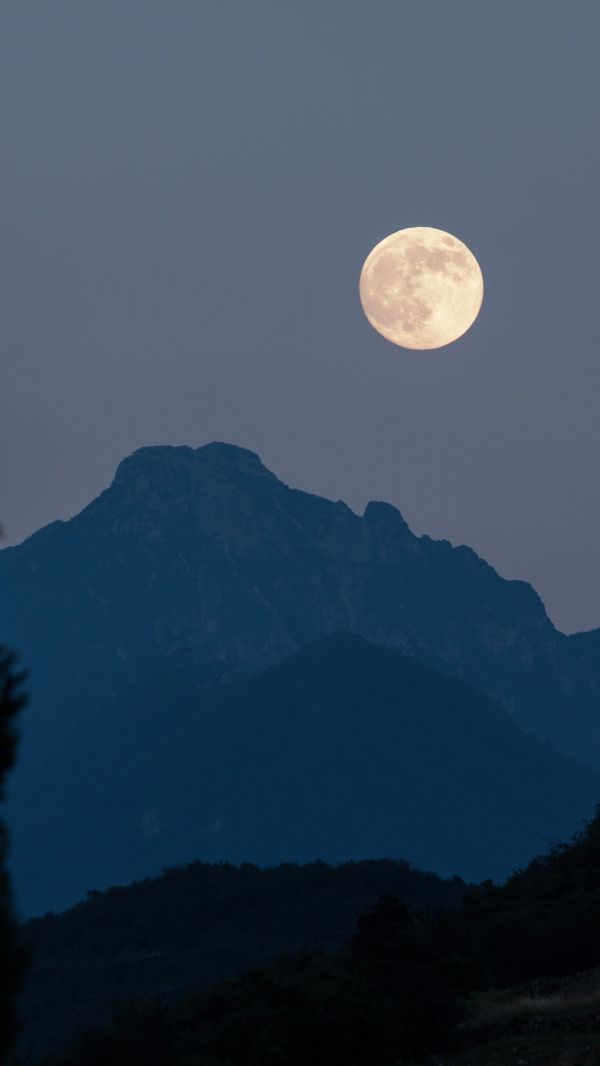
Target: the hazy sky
pixel 189 190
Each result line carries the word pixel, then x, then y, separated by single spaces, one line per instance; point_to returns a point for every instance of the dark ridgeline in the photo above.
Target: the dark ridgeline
pixel 198 567
pixel 194 925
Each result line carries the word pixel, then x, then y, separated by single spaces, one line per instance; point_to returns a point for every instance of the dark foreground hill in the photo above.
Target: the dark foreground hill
pixel 344 750
pixel 208 551
pixel 194 925
pixel 405 985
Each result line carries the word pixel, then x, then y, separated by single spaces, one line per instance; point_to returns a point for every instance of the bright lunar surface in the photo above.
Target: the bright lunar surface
pixel 421 288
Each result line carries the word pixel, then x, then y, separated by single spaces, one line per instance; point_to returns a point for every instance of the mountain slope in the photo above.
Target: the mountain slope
pixel 344 750
pixel 206 550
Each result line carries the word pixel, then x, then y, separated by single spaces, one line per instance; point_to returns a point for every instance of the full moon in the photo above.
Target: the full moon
pixel 421 288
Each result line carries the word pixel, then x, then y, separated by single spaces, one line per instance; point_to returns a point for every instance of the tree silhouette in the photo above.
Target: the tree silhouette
pixel 11 952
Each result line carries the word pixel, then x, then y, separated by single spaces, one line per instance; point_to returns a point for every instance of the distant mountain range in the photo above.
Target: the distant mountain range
pixel 199 568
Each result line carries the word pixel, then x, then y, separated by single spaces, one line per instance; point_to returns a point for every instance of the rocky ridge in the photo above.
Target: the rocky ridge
pixel 206 550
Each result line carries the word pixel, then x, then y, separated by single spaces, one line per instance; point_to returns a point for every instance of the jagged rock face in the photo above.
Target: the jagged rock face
pixel 204 550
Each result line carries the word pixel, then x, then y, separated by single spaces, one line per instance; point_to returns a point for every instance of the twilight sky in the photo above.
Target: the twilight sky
pixel 189 191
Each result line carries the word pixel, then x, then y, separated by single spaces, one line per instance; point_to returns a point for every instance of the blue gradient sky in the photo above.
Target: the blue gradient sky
pixel 189 190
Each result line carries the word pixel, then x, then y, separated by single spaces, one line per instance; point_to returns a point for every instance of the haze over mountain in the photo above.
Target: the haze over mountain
pixel 344 750
pixel 206 550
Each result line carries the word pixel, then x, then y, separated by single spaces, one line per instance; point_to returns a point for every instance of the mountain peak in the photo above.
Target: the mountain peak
pixel 164 494
pixel 220 453
pixel 378 512
pixel 164 460
pixel 388 530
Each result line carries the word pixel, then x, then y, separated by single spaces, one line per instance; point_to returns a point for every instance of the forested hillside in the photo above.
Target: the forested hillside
pixel 194 925
pixel 506 977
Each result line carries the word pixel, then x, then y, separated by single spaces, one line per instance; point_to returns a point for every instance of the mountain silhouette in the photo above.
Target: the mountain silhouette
pixel 145 618
pixel 204 551
pixel 344 750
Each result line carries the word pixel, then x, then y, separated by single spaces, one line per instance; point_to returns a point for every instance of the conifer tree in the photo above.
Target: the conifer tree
pixel 11 953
